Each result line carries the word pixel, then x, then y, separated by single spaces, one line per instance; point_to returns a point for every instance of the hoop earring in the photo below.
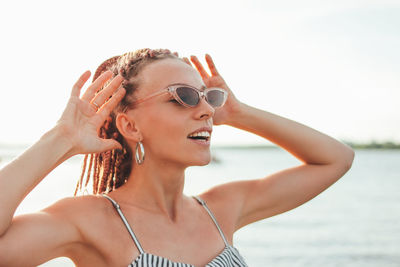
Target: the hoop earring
pixel 137 154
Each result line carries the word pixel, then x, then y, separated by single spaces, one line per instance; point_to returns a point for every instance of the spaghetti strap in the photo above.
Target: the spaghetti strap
pixel 203 203
pixel 125 221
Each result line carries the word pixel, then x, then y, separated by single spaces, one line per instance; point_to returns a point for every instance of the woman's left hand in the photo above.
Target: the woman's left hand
pixel 224 114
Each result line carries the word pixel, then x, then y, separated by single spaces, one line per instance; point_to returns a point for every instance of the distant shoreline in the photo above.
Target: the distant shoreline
pixel 374 145
pixel 370 145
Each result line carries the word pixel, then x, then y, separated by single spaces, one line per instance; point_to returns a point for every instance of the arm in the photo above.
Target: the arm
pixel 48 233
pixel 324 159
pixel 21 175
pixel 33 239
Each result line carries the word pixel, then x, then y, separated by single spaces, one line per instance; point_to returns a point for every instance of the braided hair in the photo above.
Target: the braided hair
pixel 110 169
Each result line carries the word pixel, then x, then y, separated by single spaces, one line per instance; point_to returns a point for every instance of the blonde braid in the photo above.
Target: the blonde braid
pixel 80 181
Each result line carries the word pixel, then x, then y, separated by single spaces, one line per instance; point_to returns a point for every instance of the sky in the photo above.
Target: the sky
pixel 331 65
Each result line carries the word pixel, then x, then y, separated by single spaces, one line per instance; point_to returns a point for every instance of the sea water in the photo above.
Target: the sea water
pixel 355 222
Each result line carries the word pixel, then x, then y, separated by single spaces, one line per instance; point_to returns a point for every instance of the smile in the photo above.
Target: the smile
pixel 203 135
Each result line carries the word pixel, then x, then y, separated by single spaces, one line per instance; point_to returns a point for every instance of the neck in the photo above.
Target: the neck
pixel 156 187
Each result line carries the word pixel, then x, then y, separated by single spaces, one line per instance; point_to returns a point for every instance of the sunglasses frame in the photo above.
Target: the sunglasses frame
pixel 172 90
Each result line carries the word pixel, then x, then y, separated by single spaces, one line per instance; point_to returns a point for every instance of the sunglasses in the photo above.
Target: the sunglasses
pixel 189 96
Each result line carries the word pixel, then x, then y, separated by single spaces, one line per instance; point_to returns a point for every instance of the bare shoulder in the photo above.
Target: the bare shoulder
pixel 80 228
pixel 226 201
pixel 88 213
pixel 76 210
pixel 64 204
pixel 228 195
pixel 75 207
pixel 61 229
pixel 91 215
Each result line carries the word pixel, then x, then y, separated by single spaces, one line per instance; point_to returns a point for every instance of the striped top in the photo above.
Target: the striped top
pixel 229 257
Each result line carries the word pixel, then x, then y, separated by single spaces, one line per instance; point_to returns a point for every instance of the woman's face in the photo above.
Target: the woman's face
pixel 164 123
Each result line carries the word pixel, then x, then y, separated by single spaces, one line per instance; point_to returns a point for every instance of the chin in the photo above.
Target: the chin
pixel 205 163
pixel 201 162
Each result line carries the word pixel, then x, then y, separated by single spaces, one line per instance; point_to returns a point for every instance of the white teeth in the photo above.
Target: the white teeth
pixel 205 134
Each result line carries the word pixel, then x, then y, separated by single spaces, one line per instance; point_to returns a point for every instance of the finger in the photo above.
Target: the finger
pixel 96 85
pixel 199 67
pixel 109 106
pixel 187 61
pixel 105 94
pixel 76 89
pixel 211 65
pixel 176 54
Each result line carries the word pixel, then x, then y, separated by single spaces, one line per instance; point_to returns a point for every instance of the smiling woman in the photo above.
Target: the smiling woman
pixel 146 118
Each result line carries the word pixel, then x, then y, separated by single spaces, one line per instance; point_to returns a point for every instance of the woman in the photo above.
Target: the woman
pixel 143 129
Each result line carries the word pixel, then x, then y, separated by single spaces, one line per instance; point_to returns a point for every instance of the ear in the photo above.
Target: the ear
pixel 127 127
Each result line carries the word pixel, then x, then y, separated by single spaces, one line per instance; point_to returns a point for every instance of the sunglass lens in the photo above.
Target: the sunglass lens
pixel 215 98
pixel 188 95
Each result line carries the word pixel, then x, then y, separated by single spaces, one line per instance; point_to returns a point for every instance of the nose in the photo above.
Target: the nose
pixel 204 109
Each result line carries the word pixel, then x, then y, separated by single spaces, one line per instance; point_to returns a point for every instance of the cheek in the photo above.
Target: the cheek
pixel 164 129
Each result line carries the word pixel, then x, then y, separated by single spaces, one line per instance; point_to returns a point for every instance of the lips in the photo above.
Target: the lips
pixel 201 134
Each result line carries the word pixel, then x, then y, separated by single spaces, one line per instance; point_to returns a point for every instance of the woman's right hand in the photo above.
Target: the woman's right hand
pixel 53 232
pixel 81 120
